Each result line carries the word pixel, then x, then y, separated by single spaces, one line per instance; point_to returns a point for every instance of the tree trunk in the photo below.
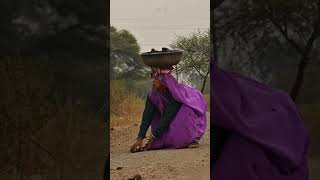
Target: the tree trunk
pixel 299 79
pixel 177 73
pixel 303 64
pixel 203 85
pixel 204 82
pixel 304 60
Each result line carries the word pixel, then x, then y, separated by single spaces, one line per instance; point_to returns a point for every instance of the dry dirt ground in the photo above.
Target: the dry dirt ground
pixel 180 164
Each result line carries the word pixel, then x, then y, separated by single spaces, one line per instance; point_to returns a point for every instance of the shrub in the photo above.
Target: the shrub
pixel 125 105
pixel 42 134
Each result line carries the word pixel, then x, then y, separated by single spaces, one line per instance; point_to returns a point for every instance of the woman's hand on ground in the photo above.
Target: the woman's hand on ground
pixel 137 146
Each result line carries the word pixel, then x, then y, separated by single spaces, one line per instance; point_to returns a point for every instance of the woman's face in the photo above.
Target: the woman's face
pixel 156 84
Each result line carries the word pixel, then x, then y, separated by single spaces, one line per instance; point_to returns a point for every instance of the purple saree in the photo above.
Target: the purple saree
pixel 268 140
pixel 189 124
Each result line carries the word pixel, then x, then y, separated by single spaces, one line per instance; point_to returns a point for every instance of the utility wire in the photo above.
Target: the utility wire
pixel 166 28
pixel 151 19
pixel 186 25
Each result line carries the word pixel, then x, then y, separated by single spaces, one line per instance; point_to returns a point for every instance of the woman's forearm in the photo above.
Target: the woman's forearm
pixel 146 118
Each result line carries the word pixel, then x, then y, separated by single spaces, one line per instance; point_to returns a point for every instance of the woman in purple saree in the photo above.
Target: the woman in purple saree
pixel 260 132
pixel 175 112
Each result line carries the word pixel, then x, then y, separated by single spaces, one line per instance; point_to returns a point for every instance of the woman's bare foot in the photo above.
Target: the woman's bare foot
pixel 194 145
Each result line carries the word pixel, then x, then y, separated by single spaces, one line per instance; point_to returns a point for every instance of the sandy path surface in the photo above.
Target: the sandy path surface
pixel 180 164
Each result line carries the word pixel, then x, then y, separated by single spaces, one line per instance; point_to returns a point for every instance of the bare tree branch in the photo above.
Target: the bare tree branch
pixel 282 31
pixel 217 3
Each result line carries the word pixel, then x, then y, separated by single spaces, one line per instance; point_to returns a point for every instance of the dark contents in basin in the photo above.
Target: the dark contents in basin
pixel 163 50
pixel 163 58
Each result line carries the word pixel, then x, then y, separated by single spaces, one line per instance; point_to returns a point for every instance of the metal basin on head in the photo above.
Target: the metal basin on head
pixel 164 58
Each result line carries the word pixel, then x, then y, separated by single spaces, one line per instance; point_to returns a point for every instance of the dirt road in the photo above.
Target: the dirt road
pixel 180 164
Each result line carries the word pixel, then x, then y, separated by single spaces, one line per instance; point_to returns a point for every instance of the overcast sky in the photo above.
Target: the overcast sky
pixel 155 23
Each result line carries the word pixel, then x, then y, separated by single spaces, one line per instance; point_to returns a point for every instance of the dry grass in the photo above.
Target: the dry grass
pixel 125 107
pixel 41 135
pixel 207 99
pixel 311 116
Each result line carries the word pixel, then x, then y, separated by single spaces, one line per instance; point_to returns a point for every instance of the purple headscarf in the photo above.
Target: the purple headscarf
pixel 180 92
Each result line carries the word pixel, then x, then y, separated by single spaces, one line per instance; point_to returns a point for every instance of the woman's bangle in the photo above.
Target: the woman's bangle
pixel 152 135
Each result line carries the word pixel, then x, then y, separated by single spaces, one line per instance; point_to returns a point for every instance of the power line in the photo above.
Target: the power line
pixel 166 28
pixel 139 19
pixel 193 25
pixel 189 26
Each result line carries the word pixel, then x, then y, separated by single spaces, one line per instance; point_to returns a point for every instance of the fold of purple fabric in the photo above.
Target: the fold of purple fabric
pixel 264 117
pixel 185 94
pixel 189 124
